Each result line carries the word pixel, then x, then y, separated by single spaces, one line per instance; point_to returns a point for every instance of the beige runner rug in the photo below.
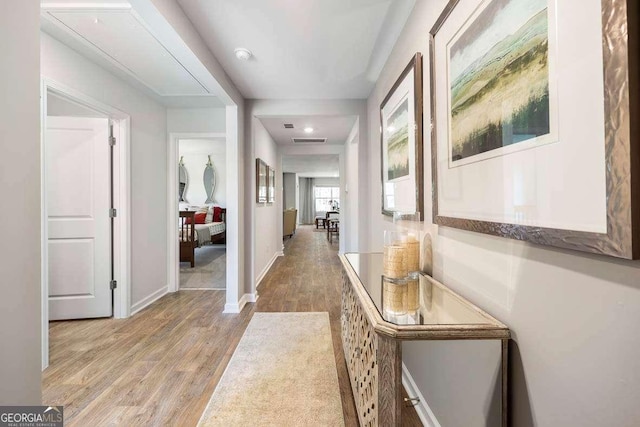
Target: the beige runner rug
pixel 283 373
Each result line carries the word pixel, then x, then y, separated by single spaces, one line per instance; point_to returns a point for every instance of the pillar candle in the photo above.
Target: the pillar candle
pixel 413 294
pixel 412 247
pixel 394 296
pixel 394 261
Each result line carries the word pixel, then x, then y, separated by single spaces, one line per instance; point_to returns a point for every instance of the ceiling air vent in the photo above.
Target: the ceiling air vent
pixel 309 140
pixel 288 125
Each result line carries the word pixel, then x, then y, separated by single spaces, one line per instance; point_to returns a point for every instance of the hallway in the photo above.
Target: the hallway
pixel 161 366
pixel 308 278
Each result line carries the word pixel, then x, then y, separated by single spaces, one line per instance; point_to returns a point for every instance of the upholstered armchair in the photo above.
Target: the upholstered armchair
pixel 289 219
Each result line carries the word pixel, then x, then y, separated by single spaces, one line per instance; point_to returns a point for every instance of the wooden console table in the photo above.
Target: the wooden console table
pixel 372 337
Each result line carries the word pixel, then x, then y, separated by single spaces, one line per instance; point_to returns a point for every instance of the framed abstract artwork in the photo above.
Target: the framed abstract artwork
pixel 401 143
pixel 261 181
pixel 531 131
pixel 271 196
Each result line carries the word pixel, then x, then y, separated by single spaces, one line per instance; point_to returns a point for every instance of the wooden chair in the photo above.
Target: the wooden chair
pixel 187 236
pixel 333 229
pixel 333 221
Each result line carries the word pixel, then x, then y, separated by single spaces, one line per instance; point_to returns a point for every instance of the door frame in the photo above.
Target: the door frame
pixel 122 201
pixel 173 252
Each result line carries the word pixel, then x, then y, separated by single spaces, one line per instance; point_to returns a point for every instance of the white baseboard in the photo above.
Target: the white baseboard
pixel 235 308
pixel 231 308
pixel 267 268
pixel 422 408
pixel 252 297
pixel 147 301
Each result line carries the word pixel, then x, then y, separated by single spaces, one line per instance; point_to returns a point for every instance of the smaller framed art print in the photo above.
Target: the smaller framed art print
pixel 261 181
pixel 271 197
pixel 401 143
pixel 532 130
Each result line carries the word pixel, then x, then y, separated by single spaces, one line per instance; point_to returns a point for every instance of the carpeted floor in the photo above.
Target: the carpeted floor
pixel 210 271
pixel 282 373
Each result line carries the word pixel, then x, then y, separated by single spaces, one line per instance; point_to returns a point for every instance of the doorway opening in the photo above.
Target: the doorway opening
pixel 197 165
pixel 84 209
pixel 313 185
pixel 202 201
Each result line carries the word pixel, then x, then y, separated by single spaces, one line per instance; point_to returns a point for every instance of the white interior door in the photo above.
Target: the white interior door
pixel 78 199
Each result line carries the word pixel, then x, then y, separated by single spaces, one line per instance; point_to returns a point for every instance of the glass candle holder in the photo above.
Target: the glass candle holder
pixel 409 223
pixel 407 220
pixel 395 255
pixel 394 296
pixel 412 253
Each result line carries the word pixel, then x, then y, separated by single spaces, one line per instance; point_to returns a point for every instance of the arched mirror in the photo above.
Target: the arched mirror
pixel 183 180
pixel 209 181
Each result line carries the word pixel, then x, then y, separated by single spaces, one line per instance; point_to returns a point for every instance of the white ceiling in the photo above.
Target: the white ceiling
pixel 313 166
pixel 112 36
pixel 111 3
pixel 335 128
pixel 312 49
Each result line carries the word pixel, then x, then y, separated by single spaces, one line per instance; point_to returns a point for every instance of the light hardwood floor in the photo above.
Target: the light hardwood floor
pixel 161 366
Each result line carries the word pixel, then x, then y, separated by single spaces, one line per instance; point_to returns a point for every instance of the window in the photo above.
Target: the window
pixel 327 199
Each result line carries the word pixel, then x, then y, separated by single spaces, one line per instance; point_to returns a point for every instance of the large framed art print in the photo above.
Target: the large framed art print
pixel 401 143
pixel 532 136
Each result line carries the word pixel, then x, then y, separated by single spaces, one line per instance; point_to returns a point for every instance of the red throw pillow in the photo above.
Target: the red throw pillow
pixel 199 218
pixel 217 214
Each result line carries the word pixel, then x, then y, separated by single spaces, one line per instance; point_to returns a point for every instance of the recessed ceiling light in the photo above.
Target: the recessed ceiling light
pixel 308 129
pixel 243 54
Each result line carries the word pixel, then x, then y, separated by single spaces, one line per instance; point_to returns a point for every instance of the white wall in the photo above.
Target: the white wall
pixel 351 188
pixel 20 252
pixel 148 158
pixel 289 186
pixel 267 236
pixel 574 355
pixel 196 120
pixel 195 154
pixel 57 106
pixel 326 182
pixel 169 24
pixel 205 121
